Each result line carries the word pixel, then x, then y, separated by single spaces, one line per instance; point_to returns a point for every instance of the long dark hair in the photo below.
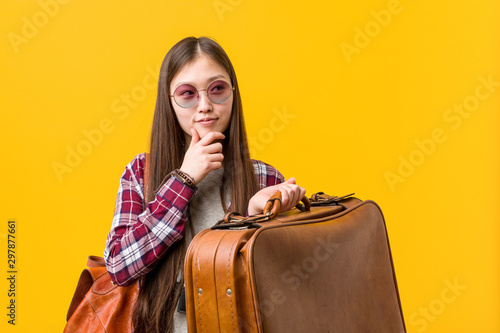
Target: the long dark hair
pixel 159 292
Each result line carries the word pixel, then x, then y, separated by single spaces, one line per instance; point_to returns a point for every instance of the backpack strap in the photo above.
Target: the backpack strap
pixel 95 261
pixel 97 268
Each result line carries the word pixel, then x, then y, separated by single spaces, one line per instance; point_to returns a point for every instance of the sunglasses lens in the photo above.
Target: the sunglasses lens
pixel 186 95
pixel 219 92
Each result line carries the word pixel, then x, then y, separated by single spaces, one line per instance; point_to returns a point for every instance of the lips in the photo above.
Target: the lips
pixel 206 121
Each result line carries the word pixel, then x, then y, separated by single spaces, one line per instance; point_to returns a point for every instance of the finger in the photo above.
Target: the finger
pixel 215 165
pixel 293 194
pixel 298 195
pixel 215 158
pixel 207 139
pixel 302 192
pixel 195 137
pixel 293 198
pixel 285 199
pixel 290 187
pixel 213 148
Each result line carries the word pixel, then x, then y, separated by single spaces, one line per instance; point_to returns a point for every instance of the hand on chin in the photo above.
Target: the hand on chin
pixel 202 130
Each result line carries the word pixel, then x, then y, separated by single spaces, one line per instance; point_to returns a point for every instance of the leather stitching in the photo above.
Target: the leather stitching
pixel 229 281
pixel 97 314
pixel 197 286
pixel 101 290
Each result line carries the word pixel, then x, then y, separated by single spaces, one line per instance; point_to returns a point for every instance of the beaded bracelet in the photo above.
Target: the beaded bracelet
pixel 185 178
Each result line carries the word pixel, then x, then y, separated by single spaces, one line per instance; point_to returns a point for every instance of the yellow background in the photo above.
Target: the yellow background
pixel 338 122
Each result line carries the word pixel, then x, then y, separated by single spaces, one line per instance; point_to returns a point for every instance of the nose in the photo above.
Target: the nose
pixel 204 103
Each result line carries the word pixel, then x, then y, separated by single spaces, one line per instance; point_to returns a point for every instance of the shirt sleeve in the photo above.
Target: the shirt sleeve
pixel 266 174
pixel 141 234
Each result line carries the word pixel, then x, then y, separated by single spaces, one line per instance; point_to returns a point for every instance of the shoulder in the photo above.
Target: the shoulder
pixel 135 169
pixel 267 175
pixel 138 163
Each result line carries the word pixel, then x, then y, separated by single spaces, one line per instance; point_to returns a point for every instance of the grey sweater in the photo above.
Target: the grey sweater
pixel 205 211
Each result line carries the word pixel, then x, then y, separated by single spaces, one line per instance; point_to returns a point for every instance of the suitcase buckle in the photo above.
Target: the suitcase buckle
pixel 322 199
pixel 236 221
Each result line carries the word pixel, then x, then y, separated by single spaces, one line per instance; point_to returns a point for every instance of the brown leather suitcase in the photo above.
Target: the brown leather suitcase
pixel 325 268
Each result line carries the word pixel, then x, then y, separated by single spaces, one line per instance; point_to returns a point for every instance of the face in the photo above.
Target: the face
pixel 206 116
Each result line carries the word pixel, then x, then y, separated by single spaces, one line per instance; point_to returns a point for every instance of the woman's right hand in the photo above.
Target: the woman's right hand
pixel 203 155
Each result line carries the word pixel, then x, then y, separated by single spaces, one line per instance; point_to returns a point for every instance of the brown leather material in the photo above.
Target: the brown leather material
pixel 218 285
pixel 323 198
pixel 83 286
pixel 271 209
pixel 273 205
pixel 86 280
pixel 327 270
pixel 305 206
pixel 95 261
pixel 231 216
pixel 98 305
pixel 296 215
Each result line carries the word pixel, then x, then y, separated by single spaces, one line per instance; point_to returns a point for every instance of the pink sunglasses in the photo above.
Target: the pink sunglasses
pixel 186 95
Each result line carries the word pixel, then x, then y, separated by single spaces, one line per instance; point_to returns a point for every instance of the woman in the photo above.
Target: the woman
pixel 199 168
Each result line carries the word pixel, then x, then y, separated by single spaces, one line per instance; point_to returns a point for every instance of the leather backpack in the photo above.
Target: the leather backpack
pixel 98 305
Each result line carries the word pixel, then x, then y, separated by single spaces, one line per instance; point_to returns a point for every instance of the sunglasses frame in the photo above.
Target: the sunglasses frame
pixel 206 93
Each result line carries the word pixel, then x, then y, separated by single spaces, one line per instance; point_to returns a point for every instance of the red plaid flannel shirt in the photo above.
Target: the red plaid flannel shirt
pixel 140 235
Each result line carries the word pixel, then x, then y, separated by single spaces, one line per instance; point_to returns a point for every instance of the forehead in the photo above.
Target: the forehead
pixel 201 71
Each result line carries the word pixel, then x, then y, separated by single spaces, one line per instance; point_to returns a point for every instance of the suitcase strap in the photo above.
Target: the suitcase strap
pixel 235 220
pixel 322 199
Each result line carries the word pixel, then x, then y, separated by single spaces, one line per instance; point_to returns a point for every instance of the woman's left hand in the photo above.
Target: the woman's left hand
pixel 291 194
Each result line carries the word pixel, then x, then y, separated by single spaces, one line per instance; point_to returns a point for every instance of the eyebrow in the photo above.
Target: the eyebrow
pixel 218 76
pixel 210 79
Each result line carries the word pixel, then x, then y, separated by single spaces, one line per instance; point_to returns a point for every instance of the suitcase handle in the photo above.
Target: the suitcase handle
pixel 271 210
pixel 273 205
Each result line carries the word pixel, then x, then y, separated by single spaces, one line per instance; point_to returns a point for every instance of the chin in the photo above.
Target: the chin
pixel 202 131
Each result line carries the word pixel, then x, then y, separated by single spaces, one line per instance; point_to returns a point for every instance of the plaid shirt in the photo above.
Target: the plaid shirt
pixel 140 235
